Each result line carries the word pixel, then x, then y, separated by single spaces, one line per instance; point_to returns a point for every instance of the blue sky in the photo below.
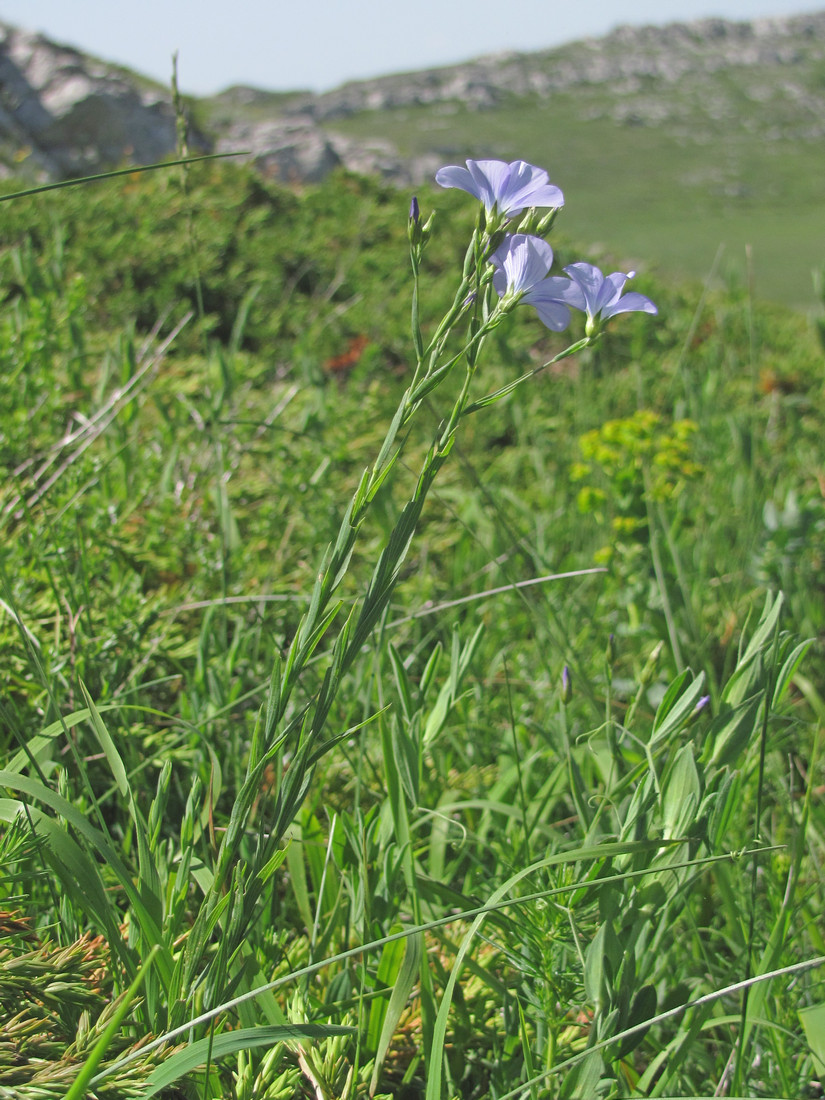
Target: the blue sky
pixel 318 44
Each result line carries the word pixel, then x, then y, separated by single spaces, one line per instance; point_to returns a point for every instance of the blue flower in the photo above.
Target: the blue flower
pixel 522 263
pixel 600 296
pixel 510 188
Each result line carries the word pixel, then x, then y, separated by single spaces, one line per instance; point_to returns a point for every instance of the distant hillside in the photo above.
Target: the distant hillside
pixel 675 74
pixel 669 141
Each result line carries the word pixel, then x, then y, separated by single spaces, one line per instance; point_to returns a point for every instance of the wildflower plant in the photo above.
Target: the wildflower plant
pixel 504 190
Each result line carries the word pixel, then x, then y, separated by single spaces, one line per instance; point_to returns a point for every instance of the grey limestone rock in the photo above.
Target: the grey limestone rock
pixel 291 150
pixel 67 114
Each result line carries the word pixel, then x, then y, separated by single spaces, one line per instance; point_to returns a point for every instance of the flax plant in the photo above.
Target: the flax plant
pixel 499 272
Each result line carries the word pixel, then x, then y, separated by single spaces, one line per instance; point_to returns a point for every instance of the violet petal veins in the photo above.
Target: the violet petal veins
pixel 521 261
pixel 510 188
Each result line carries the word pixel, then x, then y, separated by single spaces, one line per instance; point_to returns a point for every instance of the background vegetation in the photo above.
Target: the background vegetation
pixel 191 381
pixel 709 198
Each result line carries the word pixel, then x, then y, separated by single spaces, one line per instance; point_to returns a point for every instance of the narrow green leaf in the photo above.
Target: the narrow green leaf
pixel 106 743
pixel 298 877
pixel 731 731
pixel 786 673
pixel 681 793
pixel 677 706
pixel 642 1008
pixel 402 682
pixel 389 965
pixel 214 1048
pixel 47 737
pixel 583 1079
pixel 726 799
pixel 116 172
pixel 813 1024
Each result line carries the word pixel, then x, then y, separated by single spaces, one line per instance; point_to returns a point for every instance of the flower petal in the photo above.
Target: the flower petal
pixel 590 281
pixel 551 299
pixel 510 187
pixel 454 176
pixel 527 186
pixel 555 289
pixel 491 178
pixel 558 289
pixel 525 260
pixel 553 314
pixel 630 303
pixel 610 292
pixel 500 281
pixel 603 296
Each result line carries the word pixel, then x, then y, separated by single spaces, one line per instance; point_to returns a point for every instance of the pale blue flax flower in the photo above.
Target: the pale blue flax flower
pixel 510 188
pixel 522 263
pixel 600 296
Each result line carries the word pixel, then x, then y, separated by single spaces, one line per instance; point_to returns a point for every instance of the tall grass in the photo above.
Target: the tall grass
pixel 512 790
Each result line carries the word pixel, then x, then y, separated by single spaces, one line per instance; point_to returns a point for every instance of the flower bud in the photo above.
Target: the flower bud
pixel 546 223
pixel 566 686
pixel 414 222
pixel 650 665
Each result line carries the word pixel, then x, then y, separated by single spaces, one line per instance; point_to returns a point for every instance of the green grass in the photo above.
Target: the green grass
pixel 304 858
pixel 643 193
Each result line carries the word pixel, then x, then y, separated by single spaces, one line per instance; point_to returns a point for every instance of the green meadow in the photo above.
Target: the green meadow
pixel 371 725
pixel 702 199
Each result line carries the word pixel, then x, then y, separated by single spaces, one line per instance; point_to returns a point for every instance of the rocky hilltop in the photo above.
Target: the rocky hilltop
pixel 625 60
pixel 63 113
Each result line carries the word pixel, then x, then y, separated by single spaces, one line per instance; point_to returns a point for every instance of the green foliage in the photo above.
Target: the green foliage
pixel 642 461
pixel 698 192
pixel 346 788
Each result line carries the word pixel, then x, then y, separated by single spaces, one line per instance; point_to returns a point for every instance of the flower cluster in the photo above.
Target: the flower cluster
pixel 522 262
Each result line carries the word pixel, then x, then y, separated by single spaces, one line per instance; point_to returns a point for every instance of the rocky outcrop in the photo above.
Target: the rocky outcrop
pixel 623 61
pixel 291 150
pixel 297 149
pixel 64 114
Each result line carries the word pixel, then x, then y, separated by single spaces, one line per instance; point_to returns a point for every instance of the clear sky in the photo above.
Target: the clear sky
pixel 318 44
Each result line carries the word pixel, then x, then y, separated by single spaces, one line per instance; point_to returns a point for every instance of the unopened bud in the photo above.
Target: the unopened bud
pixel 414 223
pixel 566 686
pixel 546 223
pixel 697 710
pixel 492 240
pixel 610 652
pixel 650 664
